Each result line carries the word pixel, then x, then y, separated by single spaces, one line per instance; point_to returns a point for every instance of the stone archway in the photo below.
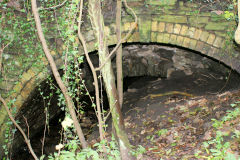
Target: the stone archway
pixel 176 26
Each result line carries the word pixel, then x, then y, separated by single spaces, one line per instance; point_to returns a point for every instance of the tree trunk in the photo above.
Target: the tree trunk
pixel 108 77
pixel 56 74
pixel 119 53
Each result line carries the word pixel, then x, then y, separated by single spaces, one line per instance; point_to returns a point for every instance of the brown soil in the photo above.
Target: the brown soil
pixel 173 126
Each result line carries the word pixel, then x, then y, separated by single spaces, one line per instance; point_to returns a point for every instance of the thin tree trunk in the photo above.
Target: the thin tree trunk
pixel 99 113
pixel 108 78
pixel 119 53
pixel 56 74
pixel 19 128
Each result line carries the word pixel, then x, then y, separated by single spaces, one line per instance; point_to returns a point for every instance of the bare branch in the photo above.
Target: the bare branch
pixel 19 128
pixel 54 7
pixel 99 115
pixel 69 101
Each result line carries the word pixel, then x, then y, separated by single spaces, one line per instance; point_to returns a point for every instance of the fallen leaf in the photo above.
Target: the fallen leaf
pixel 207 135
pixel 218 12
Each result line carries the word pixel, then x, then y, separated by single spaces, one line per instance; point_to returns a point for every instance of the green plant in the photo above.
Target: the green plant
pixel 162 132
pixel 95 153
pixel 140 150
pixel 216 148
pixel 229 15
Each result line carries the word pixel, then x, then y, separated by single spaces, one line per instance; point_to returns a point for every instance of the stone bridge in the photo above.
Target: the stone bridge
pixel 171 22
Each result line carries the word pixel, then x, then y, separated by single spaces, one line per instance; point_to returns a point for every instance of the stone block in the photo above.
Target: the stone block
pixel 160 37
pixel 197 34
pixel 171 18
pixel 186 42
pixel 179 40
pixel 161 27
pixel 212 51
pixel 217 18
pixel 220 33
pixel 205 49
pixel 31 72
pixel 154 26
pixel 184 30
pixel 177 28
pixel 37 68
pixel 166 38
pixel 169 27
pixel 18 87
pixel 192 44
pixel 204 36
pixel 197 19
pixel 154 37
pixel 211 39
pixel 218 42
pixel 199 46
pixel 207 14
pixel 145 28
pixel 25 77
pixel 216 26
pixel 28 89
pixel 19 102
pixel 134 37
pixel 198 25
pixel 173 39
pixel 191 32
pixel 41 76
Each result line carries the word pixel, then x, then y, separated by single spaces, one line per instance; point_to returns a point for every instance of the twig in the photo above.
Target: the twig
pixel 54 7
pixel 93 72
pixel 69 101
pixel 19 128
pixel 27 125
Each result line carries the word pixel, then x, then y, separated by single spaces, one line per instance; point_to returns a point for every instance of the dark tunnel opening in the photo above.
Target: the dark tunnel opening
pixel 177 69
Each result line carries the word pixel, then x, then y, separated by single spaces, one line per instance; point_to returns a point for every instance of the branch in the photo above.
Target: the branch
pixel 54 7
pixel 69 101
pixel 93 72
pixel 123 40
pixel 19 128
pixel 119 53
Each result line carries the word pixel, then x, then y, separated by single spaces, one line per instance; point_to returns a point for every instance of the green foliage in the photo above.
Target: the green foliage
pixel 162 132
pixel 95 153
pixel 229 15
pixel 216 148
pixel 140 150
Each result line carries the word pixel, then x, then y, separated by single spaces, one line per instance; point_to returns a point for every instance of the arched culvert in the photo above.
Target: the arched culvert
pixel 142 63
pixel 41 116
